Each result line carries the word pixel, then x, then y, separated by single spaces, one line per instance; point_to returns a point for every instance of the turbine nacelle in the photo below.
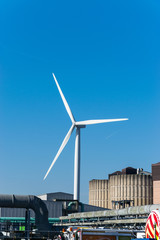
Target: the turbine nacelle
pixel 79 126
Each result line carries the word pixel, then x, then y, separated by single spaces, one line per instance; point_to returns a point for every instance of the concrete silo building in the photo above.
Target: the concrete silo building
pixel 98 193
pixel 129 187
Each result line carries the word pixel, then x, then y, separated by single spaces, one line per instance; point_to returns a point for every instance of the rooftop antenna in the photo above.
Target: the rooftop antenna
pixel 78 125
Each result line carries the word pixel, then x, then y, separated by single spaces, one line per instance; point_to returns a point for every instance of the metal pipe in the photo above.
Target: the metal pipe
pixel 28 202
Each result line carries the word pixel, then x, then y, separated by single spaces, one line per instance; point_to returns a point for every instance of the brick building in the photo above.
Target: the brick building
pixel 156 183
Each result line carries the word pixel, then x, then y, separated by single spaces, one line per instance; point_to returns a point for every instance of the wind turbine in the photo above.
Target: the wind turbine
pixel 78 126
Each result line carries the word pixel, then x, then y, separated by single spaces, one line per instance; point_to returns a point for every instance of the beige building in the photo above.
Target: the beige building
pixel 129 187
pixel 98 193
pixel 156 183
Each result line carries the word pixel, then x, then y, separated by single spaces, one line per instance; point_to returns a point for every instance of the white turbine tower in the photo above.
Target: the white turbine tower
pixel 78 126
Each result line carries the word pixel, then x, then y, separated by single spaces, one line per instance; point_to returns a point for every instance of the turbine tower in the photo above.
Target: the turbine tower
pixel 78 125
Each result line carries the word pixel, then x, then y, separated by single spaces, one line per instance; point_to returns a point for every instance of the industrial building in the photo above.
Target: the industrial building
pixel 156 182
pixel 21 214
pixel 129 187
pixel 58 204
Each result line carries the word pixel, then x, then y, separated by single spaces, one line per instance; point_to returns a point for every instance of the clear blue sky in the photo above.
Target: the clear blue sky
pixel 106 57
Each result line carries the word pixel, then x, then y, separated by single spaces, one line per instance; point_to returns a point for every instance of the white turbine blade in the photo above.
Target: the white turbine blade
pixel 64 100
pixel 88 122
pixel 61 148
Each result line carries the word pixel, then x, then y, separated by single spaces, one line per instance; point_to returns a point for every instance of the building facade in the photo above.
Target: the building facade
pixel 58 204
pixel 156 183
pixel 129 187
pixel 98 193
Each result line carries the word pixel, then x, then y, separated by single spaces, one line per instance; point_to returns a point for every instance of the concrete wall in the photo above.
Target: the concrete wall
pixel 98 193
pixel 156 183
pixel 136 187
pixel 156 192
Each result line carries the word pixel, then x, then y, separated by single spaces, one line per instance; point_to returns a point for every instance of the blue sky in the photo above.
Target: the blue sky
pixel 106 57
